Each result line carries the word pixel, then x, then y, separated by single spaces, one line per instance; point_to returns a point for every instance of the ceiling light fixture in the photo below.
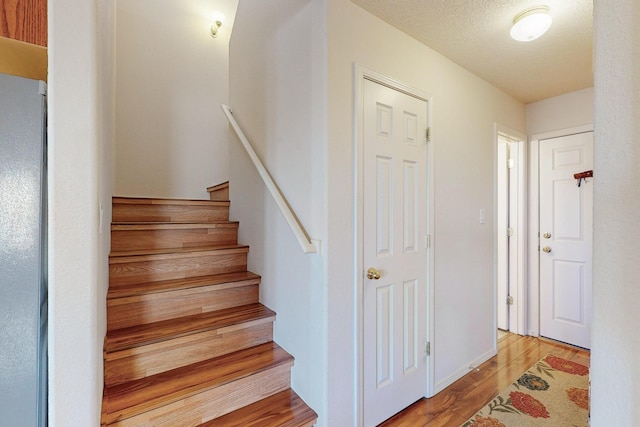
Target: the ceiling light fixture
pixel 531 24
pixel 215 28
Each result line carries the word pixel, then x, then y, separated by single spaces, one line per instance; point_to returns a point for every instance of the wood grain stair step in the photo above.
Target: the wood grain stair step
pixel 284 409
pixel 132 267
pixel 140 335
pixel 137 236
pixel 199 392
pixel 161 253
pixel 151 302
pixel 142 350
pixel 131 209
pixel 239 278
pixel 219 192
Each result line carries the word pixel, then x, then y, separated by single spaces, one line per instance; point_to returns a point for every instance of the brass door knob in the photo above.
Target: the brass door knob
pixel 547 235
pixel 373 274
pixel 546 249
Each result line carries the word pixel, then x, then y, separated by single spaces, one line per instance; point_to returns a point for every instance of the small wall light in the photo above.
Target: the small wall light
pixel 215 28
pixel 531 24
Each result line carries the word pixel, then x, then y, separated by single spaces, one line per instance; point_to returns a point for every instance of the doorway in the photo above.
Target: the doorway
pixel 511 231
pixel 561 261
pixel 394 249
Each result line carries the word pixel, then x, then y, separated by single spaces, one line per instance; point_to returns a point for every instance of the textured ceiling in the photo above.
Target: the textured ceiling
pixel 475 35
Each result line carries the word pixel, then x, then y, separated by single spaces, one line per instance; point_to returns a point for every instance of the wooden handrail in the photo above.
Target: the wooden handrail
pixel 294 223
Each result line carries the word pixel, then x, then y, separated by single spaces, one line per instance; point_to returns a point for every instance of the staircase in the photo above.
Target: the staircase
pixel 188 343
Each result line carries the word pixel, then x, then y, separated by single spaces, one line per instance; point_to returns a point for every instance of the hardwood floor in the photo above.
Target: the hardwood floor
pixel 458 402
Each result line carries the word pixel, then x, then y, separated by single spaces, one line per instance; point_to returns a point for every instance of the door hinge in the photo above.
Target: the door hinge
pixel 510 163
pixel 428 134
pixel 427 241
pixel 509 300
pixel 427 348
pixel 509 231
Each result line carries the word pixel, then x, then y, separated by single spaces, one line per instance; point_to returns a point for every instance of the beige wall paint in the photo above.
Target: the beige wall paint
pixel 80 179
pixel 171 78
pixel 105 152
pixel 615 371
pixel 560 112
pixel 278 95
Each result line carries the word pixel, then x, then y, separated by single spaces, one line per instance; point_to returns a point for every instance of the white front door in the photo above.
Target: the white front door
pixel 566 221
pixel 395 228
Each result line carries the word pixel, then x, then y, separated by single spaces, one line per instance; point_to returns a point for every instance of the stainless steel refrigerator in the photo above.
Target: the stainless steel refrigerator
pixel 23 295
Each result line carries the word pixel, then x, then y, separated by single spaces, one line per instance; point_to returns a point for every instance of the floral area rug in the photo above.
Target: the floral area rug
pixel 553 392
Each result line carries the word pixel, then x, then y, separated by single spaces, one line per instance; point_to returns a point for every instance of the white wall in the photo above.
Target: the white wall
pixel 172 77
pixel 80 178
pixel 615 367
pixel 561 112
pixel 278 95
pixel 464 111
pixel 105 122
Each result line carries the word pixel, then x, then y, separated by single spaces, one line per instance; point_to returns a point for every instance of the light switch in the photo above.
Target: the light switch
pixel 482 217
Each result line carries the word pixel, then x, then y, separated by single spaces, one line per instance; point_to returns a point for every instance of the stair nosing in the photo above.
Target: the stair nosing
pixel 217 187
pixel 167 201
pixel 241 279
pixel 169 253
pixel 132 225
pixel 195 378
pixel 153 332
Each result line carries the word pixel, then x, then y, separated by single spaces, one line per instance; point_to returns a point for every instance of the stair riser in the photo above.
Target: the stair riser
pixel 220 194
pixel 169 213
pixel 151 359
pixel 136 240
pixel 137 310
pixel 210 404
pixel 123 272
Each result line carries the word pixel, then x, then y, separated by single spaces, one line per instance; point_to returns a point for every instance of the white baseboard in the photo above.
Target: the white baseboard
pixel 464 370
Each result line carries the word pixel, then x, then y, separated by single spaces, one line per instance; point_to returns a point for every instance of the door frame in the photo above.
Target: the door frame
pixel 518 290
pixel 360 74
pixel 533 325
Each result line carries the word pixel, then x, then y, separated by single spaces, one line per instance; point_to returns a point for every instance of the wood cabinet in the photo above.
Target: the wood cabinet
pixel 24 20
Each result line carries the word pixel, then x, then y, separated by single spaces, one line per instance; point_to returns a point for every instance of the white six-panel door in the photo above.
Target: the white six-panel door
pixel 566 221
pixel 395 228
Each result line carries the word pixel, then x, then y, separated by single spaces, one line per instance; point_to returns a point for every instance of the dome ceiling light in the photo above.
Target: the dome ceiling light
pixel 531 24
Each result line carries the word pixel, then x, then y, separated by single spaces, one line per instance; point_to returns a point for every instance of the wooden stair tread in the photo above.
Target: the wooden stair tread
pixel 284 409
pixel 124 400
pixel 183 202
pixel 239 279
pixel 166 253
pixel 143 334
pixel 127 226
pixel 220 186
